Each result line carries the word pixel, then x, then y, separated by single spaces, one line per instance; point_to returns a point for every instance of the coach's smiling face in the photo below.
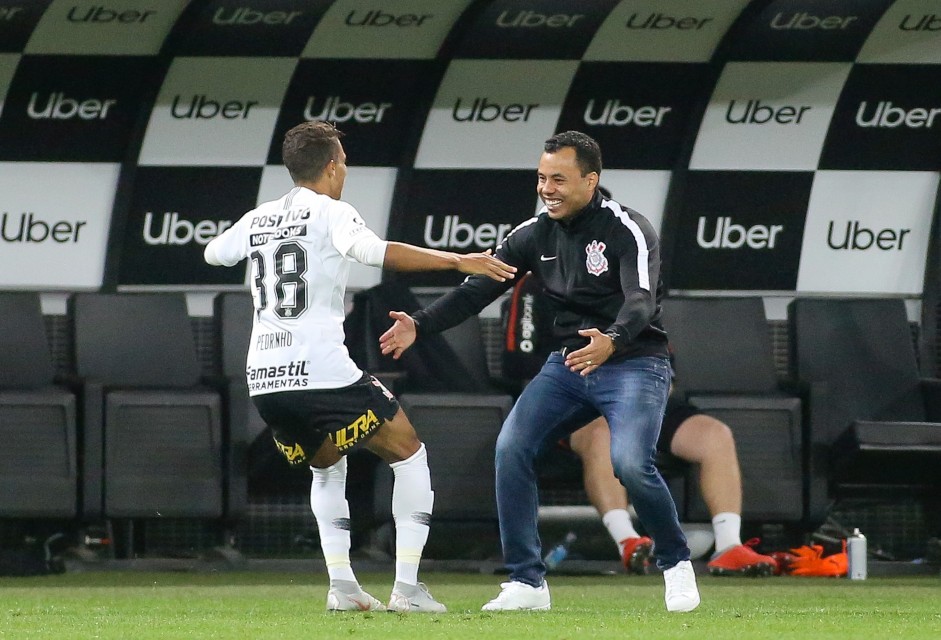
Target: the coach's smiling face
pixel 561 185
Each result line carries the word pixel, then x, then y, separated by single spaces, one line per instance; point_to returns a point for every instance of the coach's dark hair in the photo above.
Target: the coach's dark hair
pixel 587 151
pixel 308 148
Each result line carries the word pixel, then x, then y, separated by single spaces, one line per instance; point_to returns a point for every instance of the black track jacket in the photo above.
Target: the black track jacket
pixel 600 269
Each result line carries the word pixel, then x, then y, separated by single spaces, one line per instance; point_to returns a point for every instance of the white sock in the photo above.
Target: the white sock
pixel 332 512
pixel 728 529
pixel 412 501
pixel 619 526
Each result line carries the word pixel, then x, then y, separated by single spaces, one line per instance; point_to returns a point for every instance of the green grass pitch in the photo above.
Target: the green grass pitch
pixel 133 605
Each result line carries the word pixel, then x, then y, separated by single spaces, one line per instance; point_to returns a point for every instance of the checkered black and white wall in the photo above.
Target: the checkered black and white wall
pixel 783 146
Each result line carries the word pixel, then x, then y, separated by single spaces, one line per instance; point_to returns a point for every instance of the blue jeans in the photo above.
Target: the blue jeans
pixel 631 394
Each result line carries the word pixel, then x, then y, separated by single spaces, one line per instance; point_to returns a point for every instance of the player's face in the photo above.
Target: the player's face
pixel 561 185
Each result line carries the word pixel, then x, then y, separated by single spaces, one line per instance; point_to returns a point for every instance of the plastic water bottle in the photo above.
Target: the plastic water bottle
pixel 856 554
pixel 559 552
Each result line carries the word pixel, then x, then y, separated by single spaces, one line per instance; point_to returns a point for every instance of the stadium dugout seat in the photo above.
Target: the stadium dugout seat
pixel 873 423
pixel 725 366
pixel 232 312
pixel 38 461
pixel 152 431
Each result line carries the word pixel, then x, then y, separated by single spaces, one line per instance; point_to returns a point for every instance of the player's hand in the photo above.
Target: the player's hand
pixel 399 337
pixel 600 347
pixel 485 264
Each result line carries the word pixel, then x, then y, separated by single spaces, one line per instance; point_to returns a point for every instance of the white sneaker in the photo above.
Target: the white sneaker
pixel 346 595
pixel 519 596
pixel 414 598
pixel 681 592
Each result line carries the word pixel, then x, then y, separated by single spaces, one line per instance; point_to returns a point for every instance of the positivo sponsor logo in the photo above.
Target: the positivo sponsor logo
pixel 615 114
pixel 803 20
pixel 247 16
pixel 379 18
pixel 729 235
pixel 335 110
pixel 27 227
pixel 292 215
pixel 101 14
pixel 926 22
pixel 754 112
pixel 884 115
pixel 529 18
pixel 663 21
pixel 59 107
pixel 460 235
pixel 482 110
pixel 177 231
pixel 853 236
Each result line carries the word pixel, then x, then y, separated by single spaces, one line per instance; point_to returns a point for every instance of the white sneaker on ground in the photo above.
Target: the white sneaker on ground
pixel 414 598
pixel 681 592
pixel 346 595
pixel 519 596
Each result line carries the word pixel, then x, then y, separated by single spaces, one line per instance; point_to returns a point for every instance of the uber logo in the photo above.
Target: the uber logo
pixel 58 107
pixel 854 236
pixel 804 20
pixel 927 22
pixel 755 112
pixel 728 235
pixel 618 115
pixel 376 18
pixel 337 111
pixel 100 14
pixel 482 110
pixel 201 107
pixel 534 19
pixel 459 235
pixel 661 21
pixel 175 231
pixel 246 15
pixel 884 115
pixel 30 229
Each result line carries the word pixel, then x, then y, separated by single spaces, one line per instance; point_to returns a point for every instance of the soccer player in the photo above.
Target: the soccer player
pixel 319 405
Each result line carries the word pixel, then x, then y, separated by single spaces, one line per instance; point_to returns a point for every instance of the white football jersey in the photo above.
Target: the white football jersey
pixel 297 247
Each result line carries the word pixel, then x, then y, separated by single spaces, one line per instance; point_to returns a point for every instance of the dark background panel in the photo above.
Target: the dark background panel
pixel 18 18
pixel 622 105
pixel 73 108
pixel 887 118
pixel 817 30
pixel 534 29
pixel 375 103
pixel 239 28
pixel 173 213
pixel 715 215
pixel 461 210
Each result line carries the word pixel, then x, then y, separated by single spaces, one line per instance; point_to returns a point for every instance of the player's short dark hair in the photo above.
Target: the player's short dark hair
pixel 308 148
pixel 587 151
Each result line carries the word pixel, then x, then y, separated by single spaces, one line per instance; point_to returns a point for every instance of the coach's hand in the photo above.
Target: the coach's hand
pixel 400 336
pixel 587 359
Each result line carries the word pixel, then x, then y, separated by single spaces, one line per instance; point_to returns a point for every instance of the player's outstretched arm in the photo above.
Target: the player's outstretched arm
pixel 399 337
pixel 406 257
